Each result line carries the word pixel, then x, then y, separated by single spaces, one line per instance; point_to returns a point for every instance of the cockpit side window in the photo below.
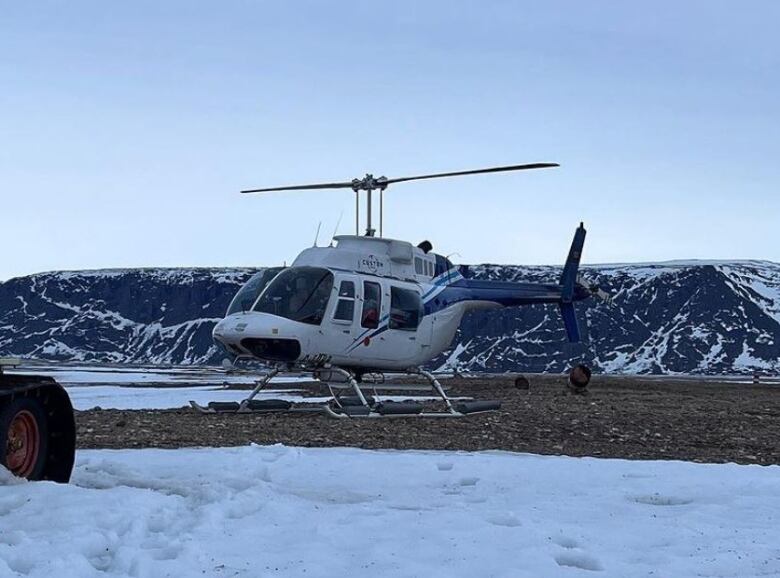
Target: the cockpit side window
pixel 406 309
pixel 372 305
pixel 299 294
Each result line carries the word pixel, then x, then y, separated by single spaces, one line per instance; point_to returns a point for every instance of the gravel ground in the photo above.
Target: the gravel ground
pixel 620 417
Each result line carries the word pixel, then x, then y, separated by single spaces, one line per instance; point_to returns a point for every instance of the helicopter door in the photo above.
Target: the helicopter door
pixel 342 319
pixel 406 314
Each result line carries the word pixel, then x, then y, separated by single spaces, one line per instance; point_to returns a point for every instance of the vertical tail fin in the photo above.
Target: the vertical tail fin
pixel 568 280
pixel 570 322
pixel 569 275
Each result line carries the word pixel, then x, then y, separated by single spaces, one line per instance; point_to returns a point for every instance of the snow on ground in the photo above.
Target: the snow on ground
pixel 112 388
pixel 116 397
pixel 105 375
pixel 283 511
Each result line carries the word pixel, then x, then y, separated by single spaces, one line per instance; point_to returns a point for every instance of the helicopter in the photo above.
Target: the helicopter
pixel 369 306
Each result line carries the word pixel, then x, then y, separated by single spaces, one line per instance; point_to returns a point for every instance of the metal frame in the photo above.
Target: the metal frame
pixel 334 407
pixel 242 408
pixel 435 386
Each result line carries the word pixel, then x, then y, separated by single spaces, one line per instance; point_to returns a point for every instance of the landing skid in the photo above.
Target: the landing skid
pixel 361 407
pixel 354 406
pixel 264 406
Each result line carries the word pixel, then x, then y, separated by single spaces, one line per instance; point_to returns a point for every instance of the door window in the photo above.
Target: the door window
pixel 406 309
pixel 372 305
pixel 345 308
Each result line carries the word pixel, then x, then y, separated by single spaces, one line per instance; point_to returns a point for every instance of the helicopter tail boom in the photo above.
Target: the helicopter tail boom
pixel 479 292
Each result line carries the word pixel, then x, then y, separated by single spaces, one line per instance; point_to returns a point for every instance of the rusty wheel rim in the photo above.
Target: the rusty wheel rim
pixel 24 443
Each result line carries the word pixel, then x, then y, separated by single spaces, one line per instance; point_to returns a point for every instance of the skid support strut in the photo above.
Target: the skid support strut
pixel 437 388
pixel 365 409
pixel 250 405
pixel 259 387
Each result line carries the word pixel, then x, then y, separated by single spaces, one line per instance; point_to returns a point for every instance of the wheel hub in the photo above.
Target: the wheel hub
pixel 24 441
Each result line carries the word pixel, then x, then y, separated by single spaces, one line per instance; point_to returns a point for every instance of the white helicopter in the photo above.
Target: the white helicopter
pixel 371 306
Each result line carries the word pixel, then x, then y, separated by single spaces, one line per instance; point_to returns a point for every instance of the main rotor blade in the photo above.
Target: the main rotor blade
pixel 303 187
pixel 381 183
pixel 476 172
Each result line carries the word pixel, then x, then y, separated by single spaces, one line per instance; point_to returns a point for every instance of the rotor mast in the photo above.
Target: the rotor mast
pixel 369 184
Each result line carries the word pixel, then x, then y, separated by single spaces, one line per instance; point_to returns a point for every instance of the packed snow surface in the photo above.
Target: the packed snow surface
pixel 106 374
pixel 283 511
pixel 115 397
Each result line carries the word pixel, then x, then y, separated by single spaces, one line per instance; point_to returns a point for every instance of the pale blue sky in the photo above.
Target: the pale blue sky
pixel 127 129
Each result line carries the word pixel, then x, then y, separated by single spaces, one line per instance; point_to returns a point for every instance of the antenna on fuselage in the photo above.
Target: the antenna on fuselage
pixel 317 234
pixel 336 228
pixel 369 184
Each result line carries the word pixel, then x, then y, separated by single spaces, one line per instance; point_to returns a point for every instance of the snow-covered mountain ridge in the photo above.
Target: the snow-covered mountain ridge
pixel 680 317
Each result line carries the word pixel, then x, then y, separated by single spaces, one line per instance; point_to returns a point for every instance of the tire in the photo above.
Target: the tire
pixel 521 382
pixel 24 438
pixel 579 378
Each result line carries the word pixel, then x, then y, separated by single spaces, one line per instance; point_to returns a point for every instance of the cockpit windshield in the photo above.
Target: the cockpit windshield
pixel 299 293
pixel 247 295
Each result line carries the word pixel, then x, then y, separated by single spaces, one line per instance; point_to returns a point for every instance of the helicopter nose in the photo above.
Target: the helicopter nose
pixel 265 336
pixel 219 329
pixel 229 330
pixel 225 333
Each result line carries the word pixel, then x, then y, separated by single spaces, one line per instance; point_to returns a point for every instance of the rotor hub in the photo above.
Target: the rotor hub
pixel 369 183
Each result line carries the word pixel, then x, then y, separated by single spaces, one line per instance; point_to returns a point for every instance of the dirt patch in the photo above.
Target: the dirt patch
pixel 621 417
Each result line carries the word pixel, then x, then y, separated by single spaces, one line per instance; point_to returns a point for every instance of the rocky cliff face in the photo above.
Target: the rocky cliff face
pixel 135 315
pixel 696 317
